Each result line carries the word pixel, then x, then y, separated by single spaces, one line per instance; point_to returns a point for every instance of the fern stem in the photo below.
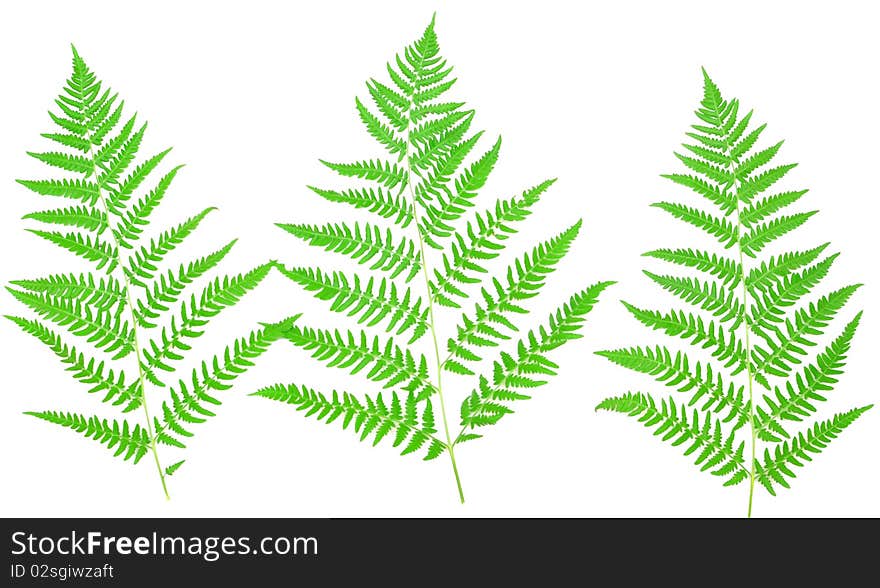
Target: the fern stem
pixel 749 367
pixel 431 322
pixel 432 326
pixel 748 346
pixel 134 333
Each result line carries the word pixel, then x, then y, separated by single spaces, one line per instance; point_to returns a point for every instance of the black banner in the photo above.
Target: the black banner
pixel 391 552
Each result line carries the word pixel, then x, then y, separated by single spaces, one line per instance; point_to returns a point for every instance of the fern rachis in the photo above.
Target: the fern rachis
pixel 117 307
pixel 422 193
pixel 760 330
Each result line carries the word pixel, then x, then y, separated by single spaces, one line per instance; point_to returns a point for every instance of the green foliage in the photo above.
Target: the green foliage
pixel 426 190
pixel 410 422
pixel 118 311
pixel 758 334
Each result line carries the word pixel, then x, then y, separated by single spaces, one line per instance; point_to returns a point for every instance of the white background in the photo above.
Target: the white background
pixel 251 94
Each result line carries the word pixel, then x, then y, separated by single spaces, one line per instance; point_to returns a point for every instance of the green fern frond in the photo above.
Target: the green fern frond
pixel 103 254
pixel 166 289
pixel 82 190
pixel 127 442
pixel 142 264
pixel 388 363
pixel 87 370
pixel 105 293
pixel 770 307
pixel 73 216
pixel 718 452
pixel 364 245
pixel 484 239
pixel 512 375
pixel 371 303
pixel 720 228
pixel 449 209
pixel 105 330
pixel 724 345
pixel 219 294
pixel 98 147
pixel 192 403
pixel 782 353
pixel 121 192
pixel 776 467
pixel 729 168
pixel 137 217
pixel 711 296
pixel 384 173
pixel 727 270
pixel 401 420
pixel 758 211
pixel 435 176
pixel 796 402
pixel 525 278
pixel 771 272
pixel 762 235
pixel 705 382
pixel 382 202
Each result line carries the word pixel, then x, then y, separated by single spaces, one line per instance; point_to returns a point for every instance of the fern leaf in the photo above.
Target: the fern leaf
pixel 365 245
pixel 67 162
pixel 381 202
pixel 126 441
pixel 73 216
pixel 193 403
pixel 105 293
pixel 723 344
pixel 385 173
pixel 371 303
pixel 385 135
pixel 104 330
pixel 769 307
pixel 448 210
pixel 103 254
pixel 131 226
pixel 113 162
pixel 399 421
pixel 143 264
pixel 120 194
pixel 219 294
pixel 485 237
pixel 525 278
pixel 84 369
pixel 770 272
pixel 387 362
pixel 758 211
pixel 704 381
pixel 166 289
pixel 82 190
pixel 706 189
pixel 727 270
pixel 512 375
pixel 762 235
pixel 736 174
pixel 435 182
pixel 718 452
pixel 716 298
pixel 776 467
pixel 720 228
pixel 796 402
pixel 782 351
